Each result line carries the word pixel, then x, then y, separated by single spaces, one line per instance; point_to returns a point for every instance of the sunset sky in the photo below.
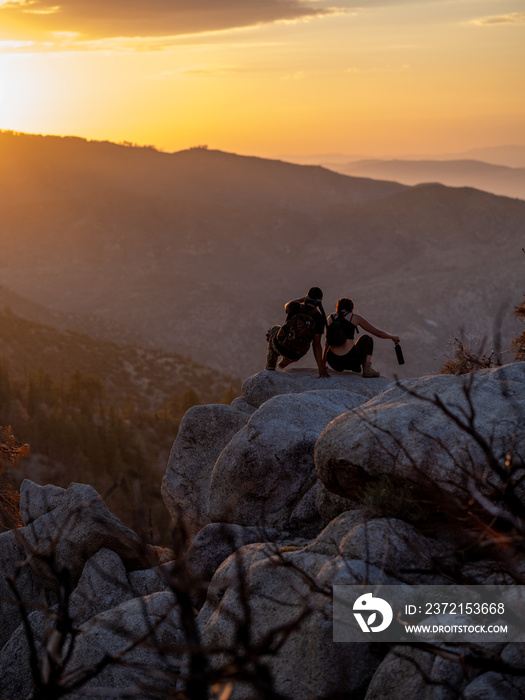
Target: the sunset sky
pixel 268 77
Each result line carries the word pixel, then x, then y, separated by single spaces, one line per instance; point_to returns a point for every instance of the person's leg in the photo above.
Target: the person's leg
pixel 361 356
pixel 271 353
pixel 284 362
pixel 367 350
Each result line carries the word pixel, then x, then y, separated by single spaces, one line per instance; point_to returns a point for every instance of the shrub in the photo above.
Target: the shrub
pixel 467 357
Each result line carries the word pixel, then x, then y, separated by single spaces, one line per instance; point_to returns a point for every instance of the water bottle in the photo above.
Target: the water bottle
pixel 399 354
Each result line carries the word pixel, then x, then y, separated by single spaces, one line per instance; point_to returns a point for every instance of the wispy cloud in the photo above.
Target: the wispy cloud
pixel 106 19
pixel 298 75
pixel 10 46
pixel 206 71
pixel 510 18
pixel 158 25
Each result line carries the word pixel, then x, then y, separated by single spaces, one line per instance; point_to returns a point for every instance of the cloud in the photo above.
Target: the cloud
pixel 101 19
pixel 10 45
pixel 212 72
pixel 511 18
pixel 298 75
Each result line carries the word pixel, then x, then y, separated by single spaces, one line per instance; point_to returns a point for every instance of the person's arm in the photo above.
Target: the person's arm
pixel 319 356
pixel 325 351
pixel 358 320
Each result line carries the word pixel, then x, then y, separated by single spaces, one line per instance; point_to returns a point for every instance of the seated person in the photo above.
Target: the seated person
pixel 345 354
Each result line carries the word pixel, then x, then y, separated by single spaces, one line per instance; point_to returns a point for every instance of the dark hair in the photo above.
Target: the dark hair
pixel 315 294
pixel 344 304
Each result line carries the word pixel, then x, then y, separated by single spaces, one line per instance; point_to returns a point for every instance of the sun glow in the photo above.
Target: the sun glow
pixel 422 77
pixel 23 91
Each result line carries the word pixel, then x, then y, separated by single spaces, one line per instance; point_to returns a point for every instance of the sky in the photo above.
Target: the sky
pixel 268 77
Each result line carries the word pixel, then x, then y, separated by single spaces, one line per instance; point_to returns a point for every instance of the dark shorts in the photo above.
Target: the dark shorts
pixel 354 359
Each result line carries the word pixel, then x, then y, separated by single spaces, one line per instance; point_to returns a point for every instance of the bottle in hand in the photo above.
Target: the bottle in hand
pixel 399 354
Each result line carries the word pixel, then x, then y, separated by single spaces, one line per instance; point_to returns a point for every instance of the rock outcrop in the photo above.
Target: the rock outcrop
pixel 273 490
pixel 230 465
pixel 452 433
pixel 73 526
pixel 272 458
pixel 204 432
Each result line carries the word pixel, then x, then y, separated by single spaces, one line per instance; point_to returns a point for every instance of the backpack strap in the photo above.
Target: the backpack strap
pixel 343 315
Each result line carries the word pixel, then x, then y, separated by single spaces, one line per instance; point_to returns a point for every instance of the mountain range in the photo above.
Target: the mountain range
pixel 498 179
pixel 196 252
pixel 499 169
pixel 512 156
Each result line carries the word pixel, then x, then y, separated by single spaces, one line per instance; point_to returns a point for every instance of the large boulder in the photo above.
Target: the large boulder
pixel 69 533
pixel 251 463
pixel 268 466
pixel 284 606
pixel 103 585
pixel 16 676
pixel 264 385
pixel 386 543
pixel 329 505
pixel 64 529
pixel 138 637
pixel 443 432
pixel 290 588
pixel 419 674
pixel 265 591
pixel 17 574
pixel 36 500
pixel 216 541
pixel 203 433
pixel 495 685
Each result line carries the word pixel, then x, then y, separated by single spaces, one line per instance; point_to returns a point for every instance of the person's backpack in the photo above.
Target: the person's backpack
pixel 294 336
pixel 335 334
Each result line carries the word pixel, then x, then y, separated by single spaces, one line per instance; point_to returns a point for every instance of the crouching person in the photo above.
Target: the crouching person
pixel 303 328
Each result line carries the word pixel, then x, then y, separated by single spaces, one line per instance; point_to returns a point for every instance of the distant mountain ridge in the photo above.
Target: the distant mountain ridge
pixel 198 251
pixel 512 156
pixel 53 166
pixel 498 179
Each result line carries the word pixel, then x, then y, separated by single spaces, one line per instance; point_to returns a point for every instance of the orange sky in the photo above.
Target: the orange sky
pixel 268 77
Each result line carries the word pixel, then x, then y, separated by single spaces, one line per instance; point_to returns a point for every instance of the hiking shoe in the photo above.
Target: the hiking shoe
pixel 269 368
pixel 368 371
pixel 283 362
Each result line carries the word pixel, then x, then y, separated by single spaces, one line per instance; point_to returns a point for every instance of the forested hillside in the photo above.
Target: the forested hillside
pixel 94 411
